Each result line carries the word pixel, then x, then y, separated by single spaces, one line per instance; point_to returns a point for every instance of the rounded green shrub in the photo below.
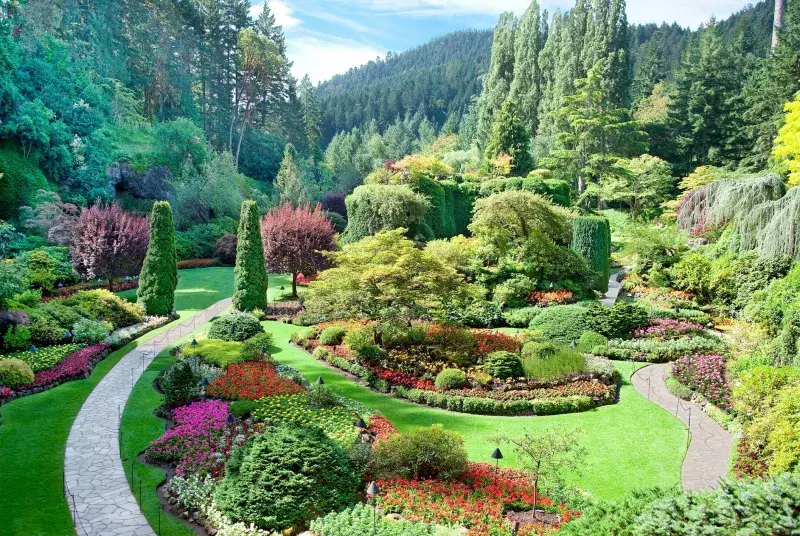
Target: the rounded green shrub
pixel 503 365
pixel 539 350
pixel 180 383
pixel 250 274
pixel 236 326
pixel 589 340
pixel 159 276
pixel 360 519
pixel 15 373
pixel 301 336
pixel 451 379
pixel 17 338
pixel 423 453
pixel 89 331
pixel 618 321
pixel 332 336
pixel 251 348
pixel 562 323
pixel 362 342
pixel 591 239
pixel 286 477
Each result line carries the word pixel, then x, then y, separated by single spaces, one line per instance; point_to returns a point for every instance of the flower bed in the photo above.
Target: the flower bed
pixel 546 298
pixel 201 440
pixel 658 351
pixel 66 292
pixel 706 375
pixel 478 500
pixel 667 328
pixel 251 381
pixel 44 358
pixel 337 422
pixel 281 310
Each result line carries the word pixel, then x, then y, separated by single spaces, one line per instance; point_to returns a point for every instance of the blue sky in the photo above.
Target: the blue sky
pixel 326 37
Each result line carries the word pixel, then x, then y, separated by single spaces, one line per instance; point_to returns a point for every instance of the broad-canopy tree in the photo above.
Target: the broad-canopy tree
pixel 294 239
pixel 385 276
pixel 108 242
pixel 642 184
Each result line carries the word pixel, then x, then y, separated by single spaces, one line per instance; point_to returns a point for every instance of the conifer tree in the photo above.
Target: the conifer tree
pixel 250 274
pixel 526 87
pixel 290 182
pixel 510 137
pixel 159 277
pixel 591 239
pixel 497 83
pixel 311 114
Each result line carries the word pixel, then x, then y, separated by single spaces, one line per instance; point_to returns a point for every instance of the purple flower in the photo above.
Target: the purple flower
pixel 706 375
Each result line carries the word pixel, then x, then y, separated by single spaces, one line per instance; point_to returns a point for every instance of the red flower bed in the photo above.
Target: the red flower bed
pixel 74 365
pixel 477 501
pixel 487 342
pixel 251 380
pixel 197 263
pixel 304 281
pixel 395 377
pixel 545 298
pixel 381 428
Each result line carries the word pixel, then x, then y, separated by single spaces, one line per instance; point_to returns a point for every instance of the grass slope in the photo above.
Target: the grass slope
pixel 34 430
pixel 140 426
pixel 631 445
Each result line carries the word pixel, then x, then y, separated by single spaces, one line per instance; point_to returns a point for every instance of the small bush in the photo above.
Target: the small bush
pixel 241 409
pixel 539 350
pixel 424 453
pixel 521 318
pixel 15 373
pixel 503 365
pixel 17 338
pixel 564 323
pixel 332 336
pixel 360 519
pixel 617 321
pixel 589 340
pixel 47 332
pixel 180 383
pixel 396 335
pixel 215 352
pixel 564 361
pixel 514 292
pixel 451 379
pixel 90 332
pixel 303 335
pixel 285 477
pixel 236 326
pixel 251 348
pixel 362 342
pixel 102 305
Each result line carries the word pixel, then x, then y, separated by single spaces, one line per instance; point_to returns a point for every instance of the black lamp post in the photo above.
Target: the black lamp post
pixel 67 334
pixel 262 351
pixel 552 285
pixel 497 456
pixel 194 342
pixel 320 383
pixel 230 419
pixel 361 424
pixel 32 349
pixel 372 492
pixel 573 344
pixel 233 329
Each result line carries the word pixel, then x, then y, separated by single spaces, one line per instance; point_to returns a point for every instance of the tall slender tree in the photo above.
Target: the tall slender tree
pixel 159 277
pixel 526 88
pixel 250 281
pixel 497 83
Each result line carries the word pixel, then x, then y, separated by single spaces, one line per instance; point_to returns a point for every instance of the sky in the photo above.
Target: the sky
pixel 327 37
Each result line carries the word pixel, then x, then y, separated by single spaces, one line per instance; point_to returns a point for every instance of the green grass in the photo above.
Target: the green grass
pixel 34 429
pixel 140 427
pixel 631 445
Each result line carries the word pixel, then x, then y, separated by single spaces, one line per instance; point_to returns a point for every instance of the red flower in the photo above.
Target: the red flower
pixel 251 381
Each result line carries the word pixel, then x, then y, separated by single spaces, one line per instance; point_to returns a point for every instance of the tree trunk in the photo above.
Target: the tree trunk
pixel 778 23
pixel 535 495
pixel 294 285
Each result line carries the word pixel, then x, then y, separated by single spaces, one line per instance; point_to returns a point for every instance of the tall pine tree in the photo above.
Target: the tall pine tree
pixel 497 84
pixel 250 279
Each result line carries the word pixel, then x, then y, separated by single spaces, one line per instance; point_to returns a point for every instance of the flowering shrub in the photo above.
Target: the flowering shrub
pixel 5 392
pixel 194 440
pixel 706 375
pixel 252 381
pixel 487 342
pixel 44 358
pixel 544 298
pixel 395 377
pixel 667 328
pixel 477 500
pixel 278 310
pixel 198 263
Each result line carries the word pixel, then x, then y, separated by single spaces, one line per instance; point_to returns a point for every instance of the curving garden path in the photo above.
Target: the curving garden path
pixel 710 445
pixel 96 488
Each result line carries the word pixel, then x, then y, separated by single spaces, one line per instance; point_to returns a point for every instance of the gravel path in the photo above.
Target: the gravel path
pixel 710 445
pixel 95 485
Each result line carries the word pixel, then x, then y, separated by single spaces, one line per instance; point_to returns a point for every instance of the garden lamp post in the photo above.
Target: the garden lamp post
pixel 68 334
pixel 262 351
pixel 552 285
pixel 372 492
pixel 230 419
pixel 573 344
pixel 320 383
pixel 32 349
pixel 741 436
pixel 497 456
pixel 194 342
pixel 361 424
pixel 233 330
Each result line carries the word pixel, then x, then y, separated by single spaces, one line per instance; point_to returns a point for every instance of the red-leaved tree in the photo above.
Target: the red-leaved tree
pixel 108 242
pixel 293 239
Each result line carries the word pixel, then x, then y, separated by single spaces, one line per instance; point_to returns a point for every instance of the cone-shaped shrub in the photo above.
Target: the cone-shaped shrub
pixel 159 276
pixel 250 275
pixel 591 238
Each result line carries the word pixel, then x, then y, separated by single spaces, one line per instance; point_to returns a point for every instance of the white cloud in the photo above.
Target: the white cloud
pixel 281 10
pixel 342 21
pixel 324 56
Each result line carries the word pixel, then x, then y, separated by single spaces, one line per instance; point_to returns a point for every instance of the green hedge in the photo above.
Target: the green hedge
pixel 591 239
pixel 558 191
pixel 488 406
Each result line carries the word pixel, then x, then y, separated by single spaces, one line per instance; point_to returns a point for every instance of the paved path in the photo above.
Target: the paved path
pixel 97 490
pixel 710 445
pixel 614 288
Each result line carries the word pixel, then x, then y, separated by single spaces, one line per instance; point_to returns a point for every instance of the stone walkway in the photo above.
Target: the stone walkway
pixel 95 485
pixel 710 445
pixel 614 288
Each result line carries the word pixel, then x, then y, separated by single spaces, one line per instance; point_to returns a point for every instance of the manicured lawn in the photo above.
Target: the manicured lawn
pixel 140 426
pixel 34 429
pixel 633 444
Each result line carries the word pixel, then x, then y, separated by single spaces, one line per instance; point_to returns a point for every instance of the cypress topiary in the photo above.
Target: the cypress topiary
pixel 591 238
pixel 159 276
pixel 250 275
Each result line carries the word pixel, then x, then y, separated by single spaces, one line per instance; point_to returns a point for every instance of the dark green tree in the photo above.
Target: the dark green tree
pixel 591 239
pixel 159 277
pixel 526 88
pixel 250 280
pixel 509 136
pixel 497 83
